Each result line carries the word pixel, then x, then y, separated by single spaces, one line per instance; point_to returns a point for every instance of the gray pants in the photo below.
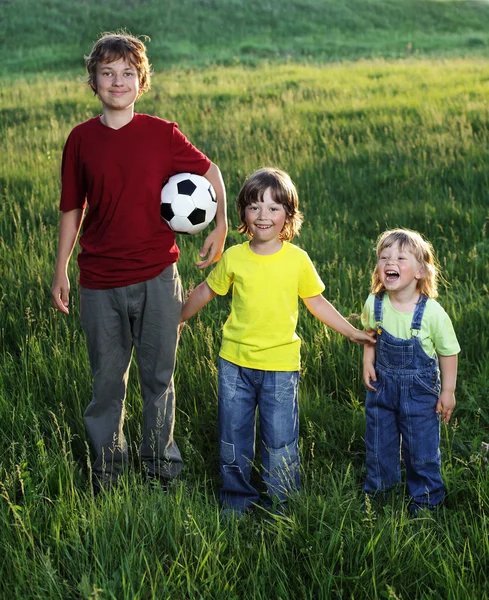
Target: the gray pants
pixel 144 316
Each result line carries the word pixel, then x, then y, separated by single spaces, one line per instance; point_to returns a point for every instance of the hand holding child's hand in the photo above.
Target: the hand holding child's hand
pixel 445 406
pixel 362 337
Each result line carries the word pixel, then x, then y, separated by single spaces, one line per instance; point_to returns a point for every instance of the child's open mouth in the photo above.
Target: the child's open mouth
pixel 391 275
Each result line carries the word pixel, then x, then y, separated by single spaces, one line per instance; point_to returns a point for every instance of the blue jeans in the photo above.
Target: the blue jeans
pixel 275 394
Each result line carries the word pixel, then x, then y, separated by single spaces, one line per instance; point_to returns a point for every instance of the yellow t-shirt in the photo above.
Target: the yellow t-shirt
pixel 436 335
pixel 260 331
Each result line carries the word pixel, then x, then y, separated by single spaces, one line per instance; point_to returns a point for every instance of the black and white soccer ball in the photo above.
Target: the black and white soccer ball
pixel 188 203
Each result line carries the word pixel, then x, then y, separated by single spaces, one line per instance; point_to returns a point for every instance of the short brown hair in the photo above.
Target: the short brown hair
pixel 422 250
pixel 114 46
pixel 283 192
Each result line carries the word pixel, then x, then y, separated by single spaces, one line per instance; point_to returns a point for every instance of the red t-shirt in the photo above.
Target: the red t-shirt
pixel 119 175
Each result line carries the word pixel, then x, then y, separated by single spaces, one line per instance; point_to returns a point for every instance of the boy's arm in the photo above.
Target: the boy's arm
pixel 325 312
pixel 199 297
pixel 369 374
pixel 214 242
pixel 69 226
pixel 446 401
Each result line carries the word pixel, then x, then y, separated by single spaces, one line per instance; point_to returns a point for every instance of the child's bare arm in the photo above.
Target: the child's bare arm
pixel 327 313
pixel 199 297
pixel 369 374
pixel 69 226
pixel 446 401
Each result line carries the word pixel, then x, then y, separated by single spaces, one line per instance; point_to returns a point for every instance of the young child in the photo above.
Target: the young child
pixel 260 352
pixel 114 165
pixel 404 400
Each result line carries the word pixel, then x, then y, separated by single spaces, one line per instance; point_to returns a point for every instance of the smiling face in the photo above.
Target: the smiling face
pixel 265 220
pixel 398 270
pixel 117 85
pixel 281 189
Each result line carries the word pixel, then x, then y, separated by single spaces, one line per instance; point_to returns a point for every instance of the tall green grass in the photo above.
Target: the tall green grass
pixel 370 145
pixel 53 35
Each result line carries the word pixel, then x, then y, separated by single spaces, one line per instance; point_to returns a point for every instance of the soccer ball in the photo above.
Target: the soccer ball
pixel 188 203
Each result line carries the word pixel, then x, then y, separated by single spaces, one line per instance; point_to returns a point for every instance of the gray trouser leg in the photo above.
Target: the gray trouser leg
pixel 155 336
pixel 144 315
pixel 108 334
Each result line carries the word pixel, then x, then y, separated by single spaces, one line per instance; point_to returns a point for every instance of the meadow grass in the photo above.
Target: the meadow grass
pixel 370 145
pixel 53 35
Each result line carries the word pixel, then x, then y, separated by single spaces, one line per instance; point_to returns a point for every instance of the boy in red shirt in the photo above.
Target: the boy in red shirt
pixel 113 167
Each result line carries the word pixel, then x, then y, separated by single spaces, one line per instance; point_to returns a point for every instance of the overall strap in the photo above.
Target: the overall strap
pixel 418 315
pixel 378 310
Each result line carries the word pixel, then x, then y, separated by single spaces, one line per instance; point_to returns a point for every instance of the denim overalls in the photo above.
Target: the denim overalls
pixel 403 407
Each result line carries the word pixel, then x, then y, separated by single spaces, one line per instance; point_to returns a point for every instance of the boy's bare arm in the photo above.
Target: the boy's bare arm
pixel 327 313
pixel 446 401
pixel 214 243
pixel 69 226
pixel 198 298
pixel 369 374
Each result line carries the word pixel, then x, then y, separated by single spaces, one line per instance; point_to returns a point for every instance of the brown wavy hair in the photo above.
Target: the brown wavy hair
pixel 422 250
pixel 283 191
pixel 113 46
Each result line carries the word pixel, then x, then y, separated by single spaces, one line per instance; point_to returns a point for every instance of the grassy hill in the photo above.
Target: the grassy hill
pixel 52 35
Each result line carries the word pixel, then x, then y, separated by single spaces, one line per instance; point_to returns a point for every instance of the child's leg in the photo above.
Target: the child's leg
pixel 421 443
pixel 155 307
pixel 382 437
pixel 108 335
pixel 279 429
pixel 236 427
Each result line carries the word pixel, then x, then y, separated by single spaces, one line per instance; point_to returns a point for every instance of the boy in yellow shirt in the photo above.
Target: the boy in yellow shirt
pixel 259 358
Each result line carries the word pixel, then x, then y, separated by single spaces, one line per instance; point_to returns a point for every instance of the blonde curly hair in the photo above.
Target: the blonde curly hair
pixel 422 250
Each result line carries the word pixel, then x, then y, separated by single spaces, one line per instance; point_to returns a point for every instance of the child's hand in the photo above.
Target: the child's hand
pixel 180 328
pixel 445 406
pixel 369 375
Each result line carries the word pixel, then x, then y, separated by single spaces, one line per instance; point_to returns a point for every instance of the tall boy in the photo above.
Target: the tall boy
pixel 114 166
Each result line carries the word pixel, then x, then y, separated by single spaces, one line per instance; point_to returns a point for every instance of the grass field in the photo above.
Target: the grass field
pixel 371 144
pixel 53 35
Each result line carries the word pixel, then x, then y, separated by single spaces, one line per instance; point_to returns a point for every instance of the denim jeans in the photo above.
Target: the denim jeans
pixel 275 394
pixel 144 317
pixel 401 414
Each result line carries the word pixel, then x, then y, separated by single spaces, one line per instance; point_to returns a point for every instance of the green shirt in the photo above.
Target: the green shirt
pixel 260 331
pixel 437 335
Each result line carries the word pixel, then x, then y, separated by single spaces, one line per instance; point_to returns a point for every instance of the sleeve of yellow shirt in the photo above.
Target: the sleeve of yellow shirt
pixel 310 284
